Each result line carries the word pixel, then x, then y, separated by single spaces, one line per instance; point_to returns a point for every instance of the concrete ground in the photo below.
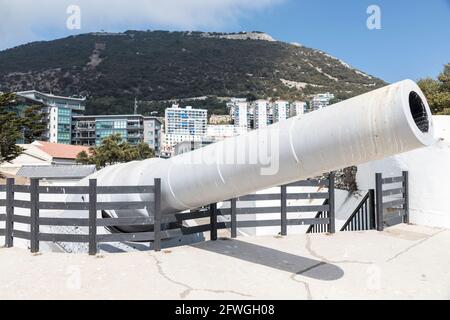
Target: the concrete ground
pixel 404 262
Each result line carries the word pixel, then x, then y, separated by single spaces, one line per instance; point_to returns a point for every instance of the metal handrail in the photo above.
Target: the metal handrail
pixel 318 216
pixel 355 213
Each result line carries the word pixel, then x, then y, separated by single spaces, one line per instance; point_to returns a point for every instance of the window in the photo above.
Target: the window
pixel 120 124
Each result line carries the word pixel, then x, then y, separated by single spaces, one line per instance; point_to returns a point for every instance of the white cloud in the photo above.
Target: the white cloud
pixel 28 20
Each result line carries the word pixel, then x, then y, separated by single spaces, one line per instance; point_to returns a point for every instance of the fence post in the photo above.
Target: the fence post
pixel 92 217
pixel 372 214
pixel 406 196
pixel 233 218
pixel 213 215
pixel 379 202
pixel 34 213
pixel 157 216
pixel 331 213
pixel 9 223
pixel 284 210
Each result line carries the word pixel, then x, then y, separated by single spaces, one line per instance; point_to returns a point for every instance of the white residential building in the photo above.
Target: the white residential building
pixel 270 113
pixel 320 101
pixel 220 132
pixel 261 108
pixel 280 110
pixel 297 108
pixel 241 114
pixel 185 124
pixel 233 104
pixel 241 119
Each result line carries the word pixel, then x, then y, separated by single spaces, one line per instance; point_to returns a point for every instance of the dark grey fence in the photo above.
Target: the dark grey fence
pixel 235 210
pixel 164 227
pixel 92 206
pixel 325 221
pixel 394 211
pixel 366 216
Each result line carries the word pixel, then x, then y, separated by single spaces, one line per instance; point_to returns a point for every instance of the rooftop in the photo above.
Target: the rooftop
pixel 60 151
pixel 32 93
pixel 116 116
pixel 56 172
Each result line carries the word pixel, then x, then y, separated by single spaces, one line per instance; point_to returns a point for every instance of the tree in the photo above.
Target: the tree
pixel 26 125
pixel 444 77
pixel 438 92
pixel 83 158
pixel 10 130
pixel 114 150
pixel 33 124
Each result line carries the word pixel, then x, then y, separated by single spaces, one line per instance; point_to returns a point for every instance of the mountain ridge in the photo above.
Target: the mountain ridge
pixel 113 69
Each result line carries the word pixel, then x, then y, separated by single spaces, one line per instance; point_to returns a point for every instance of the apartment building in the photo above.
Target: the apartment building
pixel 184 124
pixel 220 132
pixel 297 108
pixel 153 133
pixel 320 101
pixel 91 130
pixel 280 110
pixel 59 111
pixel 261 110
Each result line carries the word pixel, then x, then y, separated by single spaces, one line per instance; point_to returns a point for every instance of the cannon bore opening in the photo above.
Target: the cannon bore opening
pixel 419 112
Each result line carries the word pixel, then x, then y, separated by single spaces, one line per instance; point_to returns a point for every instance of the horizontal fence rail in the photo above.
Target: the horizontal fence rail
pixel 237 207
pixel 395 210
pixel 320 228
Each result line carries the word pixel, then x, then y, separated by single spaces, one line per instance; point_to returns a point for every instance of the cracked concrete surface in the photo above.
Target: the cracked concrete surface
pixel 188 288
pixel 404 262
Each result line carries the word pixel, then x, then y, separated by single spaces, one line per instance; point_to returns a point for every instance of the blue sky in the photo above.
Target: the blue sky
pixel 414 41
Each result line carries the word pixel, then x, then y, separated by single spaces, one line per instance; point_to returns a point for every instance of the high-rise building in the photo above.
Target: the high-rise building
pixel 261 108
pixel 241 114
pixel 59 112
pixel 152 133
pixel 320 101
pixel 280 110
pixel 231 105
pixel 241 118
pixel 270 114
pixel 184 124
pixel 297 108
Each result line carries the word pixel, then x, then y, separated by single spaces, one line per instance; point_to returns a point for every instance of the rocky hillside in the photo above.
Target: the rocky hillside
pixel 113 69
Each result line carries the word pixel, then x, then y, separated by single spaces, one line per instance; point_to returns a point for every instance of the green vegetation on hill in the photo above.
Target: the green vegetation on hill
pixel 113 69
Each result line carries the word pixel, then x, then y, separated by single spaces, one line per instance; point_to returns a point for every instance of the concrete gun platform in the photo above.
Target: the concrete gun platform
pixel 403 262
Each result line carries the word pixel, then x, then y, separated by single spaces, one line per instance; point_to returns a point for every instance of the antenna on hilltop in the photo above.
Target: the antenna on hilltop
pixel 135 106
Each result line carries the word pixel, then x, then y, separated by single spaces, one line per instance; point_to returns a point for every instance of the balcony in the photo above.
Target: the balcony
pixel 135 136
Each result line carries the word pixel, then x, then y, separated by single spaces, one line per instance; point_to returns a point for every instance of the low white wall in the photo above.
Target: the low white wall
pixel 429 171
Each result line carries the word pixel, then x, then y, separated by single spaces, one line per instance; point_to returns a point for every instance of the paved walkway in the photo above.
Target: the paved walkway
pixel 404 262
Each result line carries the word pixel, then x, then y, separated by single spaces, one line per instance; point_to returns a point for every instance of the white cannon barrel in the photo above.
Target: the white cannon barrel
pixel 381 123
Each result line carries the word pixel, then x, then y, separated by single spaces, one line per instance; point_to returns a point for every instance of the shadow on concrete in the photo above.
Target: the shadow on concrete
pixel 120 247
pixel 273 258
